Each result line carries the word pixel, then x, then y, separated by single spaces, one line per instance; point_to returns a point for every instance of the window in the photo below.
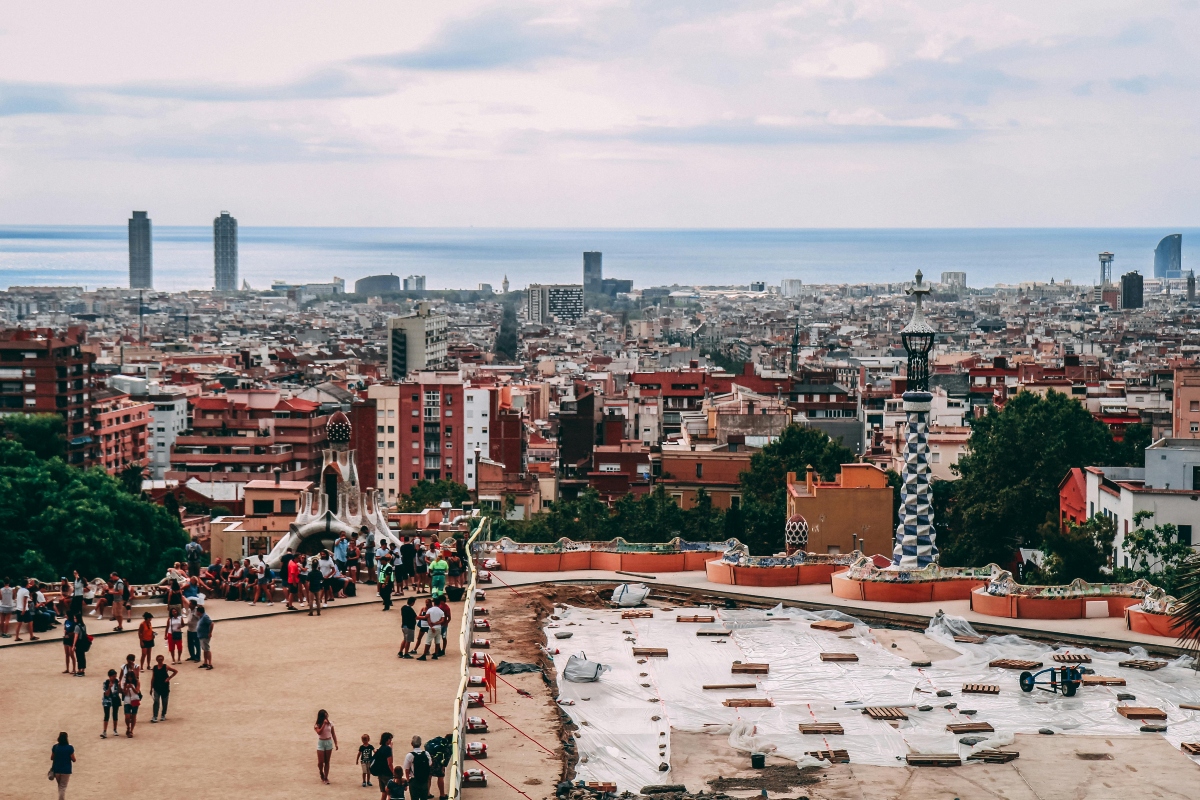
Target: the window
pixel 287 506
pixel 483 430
pixel 449 413
pixel 735 501
pixel 699 469
pixel 416 445
pixel 470 399
pixel 391 428
pixel 380 429
pixel 416 428
pixel 449 429
pixel 391 412
pixel 391 459
pixel 380 476
pixel 935 458
pixel 1185 534
pixel 380 414
pixel 416 476
pixel 264 506
pixel 1194 405
pixel 1195 478
pixel 391 476
pixel 380 461
pixel 391 444
pixel 1195 427
pixel 416 461
pixel 379 444
pixel 677 498
pixel 416 399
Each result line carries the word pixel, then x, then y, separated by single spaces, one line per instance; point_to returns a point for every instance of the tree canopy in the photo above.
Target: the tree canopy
pixel 43 434
pixel 430 494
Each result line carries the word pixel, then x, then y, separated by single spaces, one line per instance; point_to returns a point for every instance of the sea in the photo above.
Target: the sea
pixel 463 258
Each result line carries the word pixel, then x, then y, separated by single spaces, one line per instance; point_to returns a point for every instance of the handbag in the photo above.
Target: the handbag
pixel 50 774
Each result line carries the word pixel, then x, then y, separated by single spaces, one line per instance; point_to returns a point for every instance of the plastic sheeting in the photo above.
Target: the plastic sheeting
pixel 632 709
pixel 580 670
pixel 628 595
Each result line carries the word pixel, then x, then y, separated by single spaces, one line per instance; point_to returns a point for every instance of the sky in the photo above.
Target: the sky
pixel 601 113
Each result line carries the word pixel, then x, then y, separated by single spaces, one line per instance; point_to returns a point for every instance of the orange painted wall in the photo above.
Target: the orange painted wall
pixel 1154 624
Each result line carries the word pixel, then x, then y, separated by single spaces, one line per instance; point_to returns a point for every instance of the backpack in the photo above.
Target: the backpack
pixel 125 591
pixel 421 767
pixel 439 750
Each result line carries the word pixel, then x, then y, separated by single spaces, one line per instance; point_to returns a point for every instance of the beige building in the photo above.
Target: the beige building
pixel 1185 411
pixel 416 342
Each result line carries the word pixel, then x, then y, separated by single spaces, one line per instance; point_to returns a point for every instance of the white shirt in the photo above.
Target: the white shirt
pixel 22 599
pixel 408 759
pixel 326 566
pixel 436 615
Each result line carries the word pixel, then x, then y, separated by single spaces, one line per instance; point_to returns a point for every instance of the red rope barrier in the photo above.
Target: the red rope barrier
pixel 497 774
pixel 511 589
pixel 523 733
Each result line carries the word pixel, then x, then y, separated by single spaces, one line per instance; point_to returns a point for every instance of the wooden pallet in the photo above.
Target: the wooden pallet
pixel 751 669
pixel 839 657
pixel 1072 658
pixel 833 626
pixel 748 702
pixel 1141 713
pixel 933 760
pixel 884 712
pixel 822 728
pixel 641 613
pixel 832 756
pixel 713 633
pixel 730 686
pixel 1015 663
pixel 1102 680
pixel 980 688
pixel 993 756
pixel 650 652
pixel 601 786
pixel 1141 663
pixel 970 639
pixel 694 618
pixel 1192 748
pixel 970 727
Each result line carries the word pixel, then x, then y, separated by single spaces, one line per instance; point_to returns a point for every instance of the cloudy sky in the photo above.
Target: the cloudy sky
pixel 601 113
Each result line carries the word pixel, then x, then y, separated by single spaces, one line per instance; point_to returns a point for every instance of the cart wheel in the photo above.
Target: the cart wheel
pixel 1026 681
pixel 1071 678
pixel 1069 688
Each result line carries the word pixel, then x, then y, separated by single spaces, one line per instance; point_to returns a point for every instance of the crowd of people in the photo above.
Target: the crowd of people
pixel 415 772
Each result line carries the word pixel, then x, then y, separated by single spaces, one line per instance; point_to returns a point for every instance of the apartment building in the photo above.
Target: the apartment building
pixel 120 425
pixel 420 431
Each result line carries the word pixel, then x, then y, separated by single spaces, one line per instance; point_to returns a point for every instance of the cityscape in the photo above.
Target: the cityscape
pixel 787 453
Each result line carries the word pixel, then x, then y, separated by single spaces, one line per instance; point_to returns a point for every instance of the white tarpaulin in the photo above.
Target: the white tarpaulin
pixel 619 735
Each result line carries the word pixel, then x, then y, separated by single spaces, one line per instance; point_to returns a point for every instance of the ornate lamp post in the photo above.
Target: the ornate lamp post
pixel 915 539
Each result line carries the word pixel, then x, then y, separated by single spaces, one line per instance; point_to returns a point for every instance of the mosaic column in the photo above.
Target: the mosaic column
pixel 915 539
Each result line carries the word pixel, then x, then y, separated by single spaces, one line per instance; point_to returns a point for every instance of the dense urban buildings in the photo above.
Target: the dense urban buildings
pixel 548 302
pixel 225 253
pixel 141 257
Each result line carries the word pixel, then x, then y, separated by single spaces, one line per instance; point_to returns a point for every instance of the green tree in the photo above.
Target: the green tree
pixel 1131 450
pixel 131 477
pixel 1076 551
pixel 430 494
pixel 1157 552
pixel 1010 475
pixel 43 434
pixel 506 337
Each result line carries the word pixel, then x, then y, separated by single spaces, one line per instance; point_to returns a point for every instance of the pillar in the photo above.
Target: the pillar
pixel 915 538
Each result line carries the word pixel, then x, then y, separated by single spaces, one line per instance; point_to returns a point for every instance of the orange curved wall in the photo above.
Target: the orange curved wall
pixel 803 575
pixel 587 559
pixel 1154 624
pixel 606 561
pixel 845 588
pixel 885 592
pixel 575 559
pixel 652 562
pixel 719 572
pixel 1016 607
pixel 530 562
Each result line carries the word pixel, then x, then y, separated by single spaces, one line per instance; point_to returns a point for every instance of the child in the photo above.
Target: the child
pixel 395 786
pixel 366 752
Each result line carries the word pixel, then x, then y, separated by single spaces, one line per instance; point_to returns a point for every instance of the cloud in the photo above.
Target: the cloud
pixel 847 61
pixel 18 99
pixel 332 82
pixel 835 129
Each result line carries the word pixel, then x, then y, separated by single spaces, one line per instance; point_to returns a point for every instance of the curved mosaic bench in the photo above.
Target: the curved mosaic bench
pixel 1004 597
pixel 565 555
pixel 737 568
pixel 865 581
pixel 1155 615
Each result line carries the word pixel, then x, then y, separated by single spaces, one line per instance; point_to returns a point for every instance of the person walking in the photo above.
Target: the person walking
pixel 25 609
pixel 160 686
pixel 8 605
pixel 408 626
pixel 62 761
pixel 174 635
pixel 131 697
pixel 417 769
pixel 385 582
pixel 68 641
pixel 146 640
pixel 193 619
pixel 326 743
pixel 439 568
pixel 316 587
pixel 383 765
pixel 204 631
pixel 111 697
pixel 82 643
pixel 116 591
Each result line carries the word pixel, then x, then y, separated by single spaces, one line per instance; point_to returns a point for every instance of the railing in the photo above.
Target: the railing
pixel 618 545
pixel 466 620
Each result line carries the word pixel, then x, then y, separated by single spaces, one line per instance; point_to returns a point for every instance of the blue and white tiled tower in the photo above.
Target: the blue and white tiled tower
pixel 916 545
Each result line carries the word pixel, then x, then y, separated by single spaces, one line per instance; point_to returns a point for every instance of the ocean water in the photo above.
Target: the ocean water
pixel 94 256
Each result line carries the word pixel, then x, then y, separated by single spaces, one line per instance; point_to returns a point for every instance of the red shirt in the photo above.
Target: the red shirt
pixel 293 571
pixel 445 607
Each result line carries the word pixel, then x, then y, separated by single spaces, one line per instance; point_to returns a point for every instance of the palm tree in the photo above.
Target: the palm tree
pixel 1187 614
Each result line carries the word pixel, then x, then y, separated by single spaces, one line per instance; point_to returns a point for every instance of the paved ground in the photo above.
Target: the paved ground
pixel 243 729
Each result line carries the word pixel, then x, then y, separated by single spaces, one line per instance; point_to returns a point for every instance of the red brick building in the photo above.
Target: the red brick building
pixel 419 431
pixel 121 427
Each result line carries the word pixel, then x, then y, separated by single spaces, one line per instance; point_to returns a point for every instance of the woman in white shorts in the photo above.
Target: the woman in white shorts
pixel 326 743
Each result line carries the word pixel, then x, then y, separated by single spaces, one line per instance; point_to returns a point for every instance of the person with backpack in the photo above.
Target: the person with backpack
pixel 111 698
pixel 193 552
pixel 439 749
pixel 265 577
pixel 146 640
pixel 418 768
pixel 383 765
pixel 117 592
pixel 82 643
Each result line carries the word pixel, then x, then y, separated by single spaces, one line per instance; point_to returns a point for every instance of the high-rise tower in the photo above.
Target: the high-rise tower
pixel 225 253
pixel 1168 257
pixel 593 274
pixel 141 262
pixel 1106 260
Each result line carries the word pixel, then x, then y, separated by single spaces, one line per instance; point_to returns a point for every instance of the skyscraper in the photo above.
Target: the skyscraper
pixel 141 262
pixel 1168 257
pixel 1131 290
pixel 593 274
pixel 225 253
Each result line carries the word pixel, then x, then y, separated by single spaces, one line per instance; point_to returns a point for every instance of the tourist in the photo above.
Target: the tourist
pixel 423 623
pixel 408 627
pixel 193 552
pixel 456 569
pixel 433 616
pixel 327 569
pixel 417 769
pixel 291 574
pixel 68 641
pixel 460 550
pixel 116 596
pixel 130 669
pixel 394 788
pixel 160 686
pixel 8 604
pixel 174 597
pixel 193 619
pixel 382 765
pixel 366 752
pixel 352 555
pixel 326 743
pixel 102 595
pixel 438 749
pixel 316 587
pixel 204 630
pixel 369 552
pixel 174 634
pixel 386 571
pixel 132 699
pixel 382 548
pixel 341 549
pixel 65 590
pixel 264 578
pixel 408 560
pixel 146 640
pixel 111 696
pixel 444 606
pixel 242 580
pixel 62 757
pixel 25 609
pixel 82 644
pixel 421 567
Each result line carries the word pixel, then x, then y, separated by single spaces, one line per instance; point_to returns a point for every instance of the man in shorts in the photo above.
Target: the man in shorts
pixel 434 617
pixel 204 628
pixel 408 624
pixel 117 593
pixel 25 596
pixel 368 551
pixel 293 580
pixel 341 550
pixel 405 571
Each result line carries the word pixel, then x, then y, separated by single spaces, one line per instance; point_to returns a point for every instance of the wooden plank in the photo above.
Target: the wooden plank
pixel 650 652
pixel 993 756
pixel 1072 658
pixel 748 702
pixel 831 625
pixel 601 786
pixel 839 657
pixel 884 712
pixel 1190 706
pixel 1015 663
pixel 970 639
pixel 933 760
pixel 970 727
pixel 1141 663
pixel 1141 712
pixel 822 728
pixel 751 669
pixel 694 618
pixel 713 633
pixel 730 686
pixel 980 688
pixel 637 614
pixel 1102 680
pixel 832 756
pixel 1191 747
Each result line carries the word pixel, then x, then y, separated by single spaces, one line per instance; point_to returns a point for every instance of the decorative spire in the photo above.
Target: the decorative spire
pixel 918 323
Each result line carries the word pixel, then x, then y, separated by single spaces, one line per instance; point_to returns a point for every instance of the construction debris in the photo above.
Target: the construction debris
pixel 694 618
pixel 822 728
pixel 748 702
pixel 884 713
pixel 1072 658
pixel 1141 712
pixel 933 760
pixel 1143 664
pixel 839 657
pixel 751 669
pixel 980 688
pixel 650 652
pixel 832 625
pixel 1015 663
pixel 970 727
pixel 993 756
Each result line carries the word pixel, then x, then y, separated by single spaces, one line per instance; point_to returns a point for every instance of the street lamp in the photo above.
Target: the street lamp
pixel 917 338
